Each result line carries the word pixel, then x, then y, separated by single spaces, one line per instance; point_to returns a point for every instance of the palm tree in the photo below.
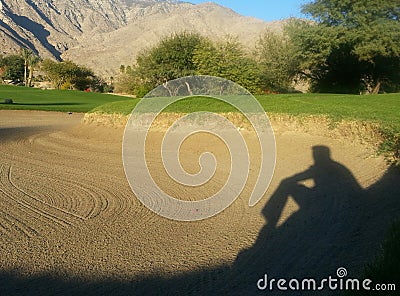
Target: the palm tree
pixel 33 61
pixel 25 54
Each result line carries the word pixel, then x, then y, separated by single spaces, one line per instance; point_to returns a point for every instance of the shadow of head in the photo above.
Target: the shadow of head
pixel 321 154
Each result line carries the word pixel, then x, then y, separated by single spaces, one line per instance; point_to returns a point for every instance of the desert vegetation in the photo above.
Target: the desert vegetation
pixel 343 48
pixel 21 68
pixel 185 54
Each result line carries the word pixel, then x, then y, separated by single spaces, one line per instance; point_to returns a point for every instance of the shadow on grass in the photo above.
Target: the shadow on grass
pixel 338 224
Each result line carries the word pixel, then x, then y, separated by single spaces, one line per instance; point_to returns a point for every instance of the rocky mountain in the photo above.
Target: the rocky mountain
pixel 104 34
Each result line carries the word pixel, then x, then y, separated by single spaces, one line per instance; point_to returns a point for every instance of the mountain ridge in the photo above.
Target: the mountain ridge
pixel 103 34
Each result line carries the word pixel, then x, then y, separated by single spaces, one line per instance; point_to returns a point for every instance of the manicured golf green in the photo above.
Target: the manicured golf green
pixel 384 109
pixel 25 98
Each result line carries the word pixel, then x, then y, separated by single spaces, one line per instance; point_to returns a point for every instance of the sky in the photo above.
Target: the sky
pixel 268 10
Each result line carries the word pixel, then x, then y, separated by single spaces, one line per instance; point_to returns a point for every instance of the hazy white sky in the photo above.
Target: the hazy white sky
pixel 267 10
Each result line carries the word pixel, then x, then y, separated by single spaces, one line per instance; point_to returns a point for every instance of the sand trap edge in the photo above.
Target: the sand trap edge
pixel 366 133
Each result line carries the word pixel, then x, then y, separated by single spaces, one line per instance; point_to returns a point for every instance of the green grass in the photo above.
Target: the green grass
pixel 53 100
pixel 119 107
pixel 383 109
pixel 184 106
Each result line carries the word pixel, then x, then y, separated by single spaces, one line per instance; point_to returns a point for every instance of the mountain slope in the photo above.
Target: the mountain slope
pixel 51 27
pixel 104 34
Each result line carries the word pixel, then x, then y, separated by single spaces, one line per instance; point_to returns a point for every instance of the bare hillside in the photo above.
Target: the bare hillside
pixel 104 34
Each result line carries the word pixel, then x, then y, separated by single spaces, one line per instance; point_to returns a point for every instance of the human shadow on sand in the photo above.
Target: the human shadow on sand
pixel 338 224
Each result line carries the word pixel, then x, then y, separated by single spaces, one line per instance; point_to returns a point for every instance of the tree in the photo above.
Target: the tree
pixel 67 75
pixel 126 83
pixel 98 84
pixel 328 65
pixel 26 54
pixel 279 66
pixel 357 39
pixel 227 60
pixel 33 61
pixel 12 67
pixel 172 58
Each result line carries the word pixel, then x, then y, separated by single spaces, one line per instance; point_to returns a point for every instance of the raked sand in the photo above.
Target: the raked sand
pixel 71 225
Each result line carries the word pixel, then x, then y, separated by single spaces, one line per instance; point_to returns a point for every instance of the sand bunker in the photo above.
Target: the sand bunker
pixel 70 224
